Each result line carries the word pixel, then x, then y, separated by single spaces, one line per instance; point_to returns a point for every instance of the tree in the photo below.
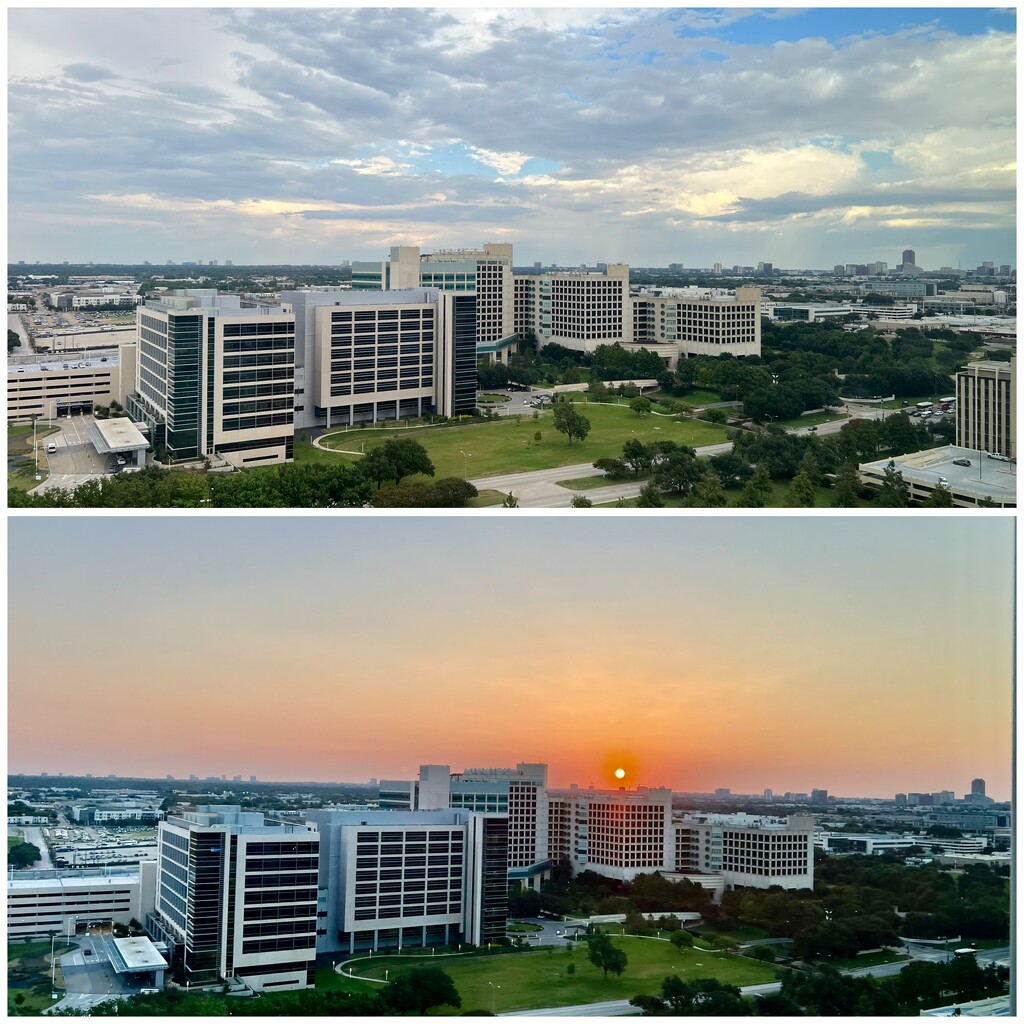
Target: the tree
pixel 758 488
pixel 681 938
pixel 710 493
pixel 23 855
pixel 893 492
pixel 678 471
pixel 510 501
pixel 941 497
pixel 421 989
pixel 570 422
pixel 640 405
pixel 597 391
pixel 650 497
pixel 581 501
pixel 637 455
pixel 408 457
pixel 714 415
pixel 847 487
pixel 602 953
pixel 801 492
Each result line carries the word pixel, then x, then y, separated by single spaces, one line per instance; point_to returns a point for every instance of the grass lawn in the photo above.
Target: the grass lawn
pixel 868 960
pixel 507 445
pixel 15 840
pixel 812 419
pixel 28 975
pixel 590 483
pixel 745 933
pixel 694 398
pixel 539 978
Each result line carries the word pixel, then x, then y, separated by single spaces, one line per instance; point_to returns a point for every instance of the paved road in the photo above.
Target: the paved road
pixel 540 488
pixel 34 835
pixel 76 460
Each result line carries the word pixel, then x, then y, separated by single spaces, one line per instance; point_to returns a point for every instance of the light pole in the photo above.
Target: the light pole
pixel 53 969
pixel 466 456
pixel 494 996
pixel 35 450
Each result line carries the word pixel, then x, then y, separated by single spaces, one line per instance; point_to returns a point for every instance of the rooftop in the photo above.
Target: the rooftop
pixel 984 477
pixel 103 360
pixel 136 954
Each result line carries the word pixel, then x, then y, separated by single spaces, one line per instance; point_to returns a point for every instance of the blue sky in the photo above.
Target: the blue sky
pixel 802 137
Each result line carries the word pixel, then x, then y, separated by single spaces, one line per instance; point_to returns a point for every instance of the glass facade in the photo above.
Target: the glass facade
pixel 464 356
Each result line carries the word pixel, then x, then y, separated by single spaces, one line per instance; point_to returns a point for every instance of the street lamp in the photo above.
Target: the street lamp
pixel 53 969
pixel 466 456
pixel 494 996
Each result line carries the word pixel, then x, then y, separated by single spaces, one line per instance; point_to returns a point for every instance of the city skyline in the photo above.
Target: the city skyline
pixel 804 138
pixel 863 657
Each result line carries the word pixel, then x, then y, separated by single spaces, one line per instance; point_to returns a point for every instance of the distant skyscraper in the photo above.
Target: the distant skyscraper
pixel 909 256
pixel 723 791
pixel 768 794
pixel 718 268
pixel 819 796
pixel 978 787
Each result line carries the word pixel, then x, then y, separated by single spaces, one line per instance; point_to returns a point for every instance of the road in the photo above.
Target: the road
pixel 540 489
pixel 88 976
pixel 76 460
pixel 34 835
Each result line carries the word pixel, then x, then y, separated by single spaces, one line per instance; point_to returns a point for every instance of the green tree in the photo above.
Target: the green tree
pixel 420 989
pixel 894 491
pixel 801 492
pixel 604 954
pixel 681 939
pixel 23 855
pixel 679 471
pixel 640 405
pixel 571 422
pixel 758 488
pixel 709 492
pixel 941 497
pixel 581 501
pixel 714 415
pixel 650 497
pixel 637 455
pixel 847 487
pixel 510 501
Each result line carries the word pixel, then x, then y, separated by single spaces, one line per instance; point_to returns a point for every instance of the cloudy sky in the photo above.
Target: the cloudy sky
pixel 647 136
pixel 865 656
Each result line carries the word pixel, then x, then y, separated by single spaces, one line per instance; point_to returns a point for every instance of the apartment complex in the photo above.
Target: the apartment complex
pixel 66 902
pixel 519 792
pixel 395 879
pixel 238 896
pixel 486 271
pixel 214 378
pixel 986 408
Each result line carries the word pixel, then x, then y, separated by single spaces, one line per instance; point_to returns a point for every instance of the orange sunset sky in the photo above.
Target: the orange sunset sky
pixel 862 655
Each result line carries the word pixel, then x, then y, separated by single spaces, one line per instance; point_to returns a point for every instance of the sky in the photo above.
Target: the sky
pixel 865 656
pixel 647 136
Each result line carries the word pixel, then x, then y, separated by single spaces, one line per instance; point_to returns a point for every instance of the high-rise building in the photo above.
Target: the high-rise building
pixel 819 796
pixel 909 258
pixel 237 897
pixel 486 271
pixel 978 787
pixel 213 378
pixel 365 356
pixel 392 879
pixel 718 268
pixel 520 792
pixel 768 794
pixel 619 833
pixel 986 408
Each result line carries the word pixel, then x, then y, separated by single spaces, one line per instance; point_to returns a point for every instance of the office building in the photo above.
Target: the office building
pixel 986 408
pixel 819 796
pixel 364 356
pixel 486 271
pixel 519 792
pixel 909 258
pixel 759 855
pixel 978 787
pixel 214 379
pixel 577 309
pixel 679 326
pixel 40 903
pixel 392 879
pixel 619 833
pixel 237 897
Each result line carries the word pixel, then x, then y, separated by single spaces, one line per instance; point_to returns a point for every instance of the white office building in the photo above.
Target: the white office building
pixel 394 879
pixel 237 897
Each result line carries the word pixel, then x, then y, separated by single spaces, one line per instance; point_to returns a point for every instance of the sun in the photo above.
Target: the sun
pixel 620 773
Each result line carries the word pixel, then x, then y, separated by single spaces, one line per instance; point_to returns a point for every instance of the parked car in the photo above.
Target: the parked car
pixel 961 462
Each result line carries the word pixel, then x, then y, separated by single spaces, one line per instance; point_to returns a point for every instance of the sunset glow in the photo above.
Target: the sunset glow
pixel 863 656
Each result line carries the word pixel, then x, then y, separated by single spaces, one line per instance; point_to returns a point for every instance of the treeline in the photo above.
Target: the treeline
pixel 292 485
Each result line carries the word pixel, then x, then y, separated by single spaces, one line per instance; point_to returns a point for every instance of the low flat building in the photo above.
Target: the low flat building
pixel 69 901
pixel 984 478
pixel 49 387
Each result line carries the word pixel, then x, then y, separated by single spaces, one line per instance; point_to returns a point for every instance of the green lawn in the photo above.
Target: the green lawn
pixel 868 960
pixel 812 419
pixel 745 933
pixel 539 978
pixel 590 483
pixel 15 840
pixel 507 445
pixel 28 975
pixel 694 398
